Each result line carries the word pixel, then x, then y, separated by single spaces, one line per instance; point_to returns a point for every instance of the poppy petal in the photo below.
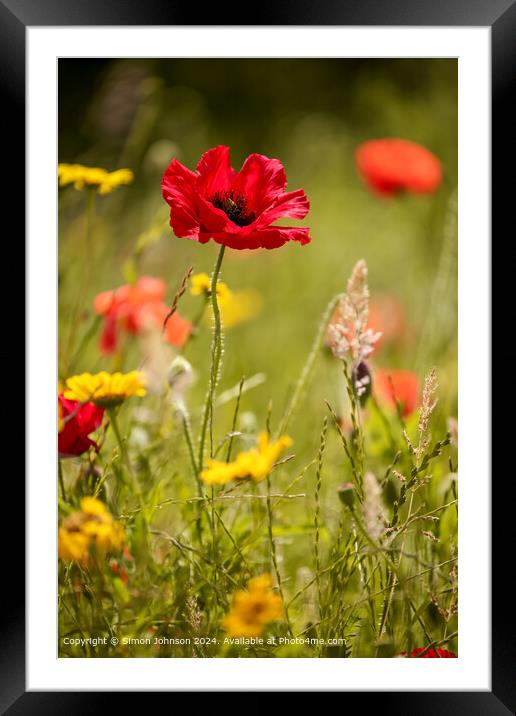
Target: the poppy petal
pixel 293 204
pixel 260 180
pixel 271 238
pixel 178 188
pixel 215 171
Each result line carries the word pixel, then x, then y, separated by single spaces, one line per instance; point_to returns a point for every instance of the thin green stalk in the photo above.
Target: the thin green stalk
pixel 318 484
pixel 92 330
pixel 195 325
pixel 358 438
pixel 274 556
pixel 61 480
pixel 123 452
pixel 393 577
pixel 394 570
pixel 235 417
pixel 86 274
pixel 348 452
pixel 234 543
pixel 188 437
pixel 308 366
pixel 442 306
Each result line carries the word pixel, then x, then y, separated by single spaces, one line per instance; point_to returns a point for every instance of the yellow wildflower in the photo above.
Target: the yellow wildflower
pixel 105 389
pixel 73 544
pixel 256 463
pixel 81 176
pixel 219 473
pixel 94 527
pixel 201 283
pixel 93 507
pixel 253 608
pixel 259 462
pixel 237 307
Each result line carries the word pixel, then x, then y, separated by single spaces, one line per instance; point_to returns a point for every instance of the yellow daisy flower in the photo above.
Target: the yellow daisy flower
pixel 256 463
pixel 105 389
pixel 81 177
pixel 253 608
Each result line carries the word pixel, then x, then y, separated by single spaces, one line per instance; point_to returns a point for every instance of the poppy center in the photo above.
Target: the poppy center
pixel 234 206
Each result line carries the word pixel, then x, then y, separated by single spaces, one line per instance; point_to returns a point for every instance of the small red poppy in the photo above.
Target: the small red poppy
pixel 402 386
pixel 430 653
pixel 131 307
pixel 233 208
pixel 389 166
pixel 78 422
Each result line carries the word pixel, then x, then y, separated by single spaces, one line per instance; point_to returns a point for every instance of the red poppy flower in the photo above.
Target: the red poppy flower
pixel 430 653
pixel 132 307
pixel 78 422
pixel 236 209
pixel 402 386
pixel 392 165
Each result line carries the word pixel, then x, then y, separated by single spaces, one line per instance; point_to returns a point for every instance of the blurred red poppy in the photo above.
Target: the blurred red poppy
pixel 234 208
pixel 389 166
pixel 77 422
pixel 386 316
pixel 132 307
pixel 402 386
pixel 430 653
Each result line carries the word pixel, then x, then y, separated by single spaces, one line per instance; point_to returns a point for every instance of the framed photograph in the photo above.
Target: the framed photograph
pixel 258 301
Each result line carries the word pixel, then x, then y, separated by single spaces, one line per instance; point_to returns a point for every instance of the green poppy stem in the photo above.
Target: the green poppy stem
pixel 216 353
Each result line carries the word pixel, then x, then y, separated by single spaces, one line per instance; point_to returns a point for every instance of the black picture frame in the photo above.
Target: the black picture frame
pixel 500 16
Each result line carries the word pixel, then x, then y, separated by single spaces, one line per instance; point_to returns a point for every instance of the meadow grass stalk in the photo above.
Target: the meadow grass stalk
pixel 61 479
pixel 358 482
pixel 442 292
pixel 89 218
pixel 235 544
pixel 358 438
pixel 123 451
pixel 235 417
pixel 306 371
pixel 195 470
pixel 274 557
pixel 318 484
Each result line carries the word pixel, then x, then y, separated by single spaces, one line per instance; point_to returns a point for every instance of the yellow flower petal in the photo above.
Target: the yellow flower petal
pixel 104 389
pixel 81 176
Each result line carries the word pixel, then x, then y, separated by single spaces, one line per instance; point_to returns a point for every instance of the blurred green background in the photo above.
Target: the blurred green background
pixel 311 114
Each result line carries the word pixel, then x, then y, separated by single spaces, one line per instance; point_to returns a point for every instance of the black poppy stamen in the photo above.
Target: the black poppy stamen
pixel 234 206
